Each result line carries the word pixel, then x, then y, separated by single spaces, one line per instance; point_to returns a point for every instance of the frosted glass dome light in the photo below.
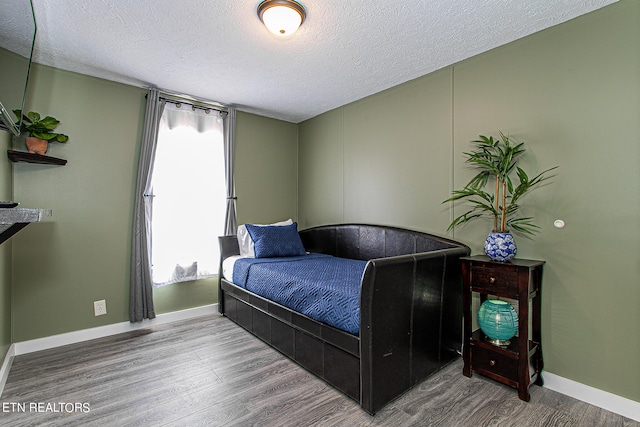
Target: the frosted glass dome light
pixel 281 17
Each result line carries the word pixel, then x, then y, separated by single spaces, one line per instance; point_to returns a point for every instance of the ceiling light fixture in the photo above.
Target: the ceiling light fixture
pixel 281 17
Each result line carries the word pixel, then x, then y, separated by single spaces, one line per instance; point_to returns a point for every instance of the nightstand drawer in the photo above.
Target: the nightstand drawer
pixel 493 280
pixel 493 362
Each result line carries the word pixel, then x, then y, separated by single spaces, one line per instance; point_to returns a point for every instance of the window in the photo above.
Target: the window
pixel 189 194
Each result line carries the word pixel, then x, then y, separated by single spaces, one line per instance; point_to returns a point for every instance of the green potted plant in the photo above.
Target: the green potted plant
pixel 40 131
pixel 496 160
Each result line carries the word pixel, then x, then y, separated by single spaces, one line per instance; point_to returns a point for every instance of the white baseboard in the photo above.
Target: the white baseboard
pixel 6 366
pixel 603 399
pixel 53 341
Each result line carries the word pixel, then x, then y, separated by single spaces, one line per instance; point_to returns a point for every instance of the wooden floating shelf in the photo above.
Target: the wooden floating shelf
pixel 23 156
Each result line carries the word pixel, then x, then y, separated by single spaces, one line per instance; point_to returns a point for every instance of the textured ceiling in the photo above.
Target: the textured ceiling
pixel 219 50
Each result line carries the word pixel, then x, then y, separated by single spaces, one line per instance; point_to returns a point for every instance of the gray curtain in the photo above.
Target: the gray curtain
pixel 231 223
pixel 141 300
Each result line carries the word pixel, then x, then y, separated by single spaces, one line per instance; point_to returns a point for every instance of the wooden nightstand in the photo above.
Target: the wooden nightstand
pixel 520 363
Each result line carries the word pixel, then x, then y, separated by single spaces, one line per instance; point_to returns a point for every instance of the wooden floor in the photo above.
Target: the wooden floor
pixel 210 372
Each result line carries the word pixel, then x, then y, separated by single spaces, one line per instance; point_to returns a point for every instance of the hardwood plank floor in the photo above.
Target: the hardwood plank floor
pixel 210 372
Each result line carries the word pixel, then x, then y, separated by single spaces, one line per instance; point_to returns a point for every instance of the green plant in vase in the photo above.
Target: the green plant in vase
pixel 40 131
pixel 496 160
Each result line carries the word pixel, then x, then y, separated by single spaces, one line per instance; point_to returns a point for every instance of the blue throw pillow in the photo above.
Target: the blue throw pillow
pixel 276 241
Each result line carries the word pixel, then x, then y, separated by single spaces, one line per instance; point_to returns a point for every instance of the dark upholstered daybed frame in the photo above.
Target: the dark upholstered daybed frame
pixel 410 312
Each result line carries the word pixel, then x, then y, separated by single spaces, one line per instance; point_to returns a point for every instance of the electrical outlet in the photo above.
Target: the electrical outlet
pixel 100 307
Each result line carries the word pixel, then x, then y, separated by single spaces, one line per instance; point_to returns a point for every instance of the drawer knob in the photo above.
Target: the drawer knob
pixel 492 363
pixel 492 280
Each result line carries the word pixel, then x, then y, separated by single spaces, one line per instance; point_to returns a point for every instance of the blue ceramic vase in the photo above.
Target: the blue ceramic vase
pixel 500 246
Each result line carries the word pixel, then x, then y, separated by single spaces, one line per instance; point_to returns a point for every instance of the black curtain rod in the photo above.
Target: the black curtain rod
pixel 193 105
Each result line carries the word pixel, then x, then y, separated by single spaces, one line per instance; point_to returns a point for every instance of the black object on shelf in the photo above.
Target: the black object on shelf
pixel 23 156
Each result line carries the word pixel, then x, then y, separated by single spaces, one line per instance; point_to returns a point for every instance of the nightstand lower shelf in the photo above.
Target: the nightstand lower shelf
pixel 501 363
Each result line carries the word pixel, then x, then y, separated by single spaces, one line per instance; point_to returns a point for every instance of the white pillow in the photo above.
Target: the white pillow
pixel 246 243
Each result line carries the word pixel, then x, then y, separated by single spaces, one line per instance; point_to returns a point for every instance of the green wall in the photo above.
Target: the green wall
pixel 380 160
pixel 6 193
pixel 14 68
pixel 82 254
pixel 266 169
pixel 572 93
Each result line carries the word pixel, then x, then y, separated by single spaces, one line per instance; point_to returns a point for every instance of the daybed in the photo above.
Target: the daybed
pixel 410 312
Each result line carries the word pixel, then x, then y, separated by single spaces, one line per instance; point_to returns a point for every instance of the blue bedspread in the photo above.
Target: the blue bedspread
pixel 322 287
